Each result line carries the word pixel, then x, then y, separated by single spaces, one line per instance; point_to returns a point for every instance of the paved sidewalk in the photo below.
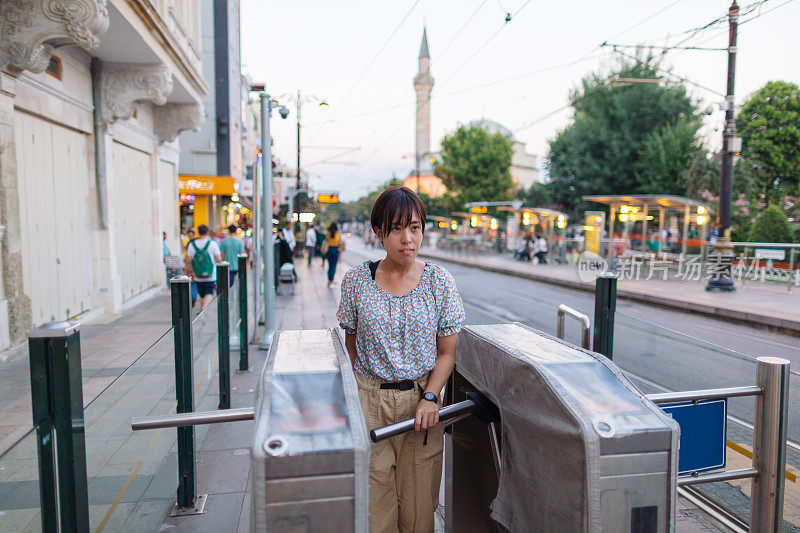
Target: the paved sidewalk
pixel 109 345
pixel 756 303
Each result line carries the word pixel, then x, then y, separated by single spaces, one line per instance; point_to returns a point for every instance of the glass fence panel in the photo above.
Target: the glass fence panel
pixel 19 486
pixel 205 356
pixel 133 475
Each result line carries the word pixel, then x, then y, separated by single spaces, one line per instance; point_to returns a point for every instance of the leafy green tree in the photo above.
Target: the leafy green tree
pixel 769 125
pixel 623 136
pixel 537 195
pixel 668 156
pixel 475 165
pixel 771 226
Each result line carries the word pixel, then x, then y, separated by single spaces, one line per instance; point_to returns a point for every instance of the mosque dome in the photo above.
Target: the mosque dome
pixel 493 127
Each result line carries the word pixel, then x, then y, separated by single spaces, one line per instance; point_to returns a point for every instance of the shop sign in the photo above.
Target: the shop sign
pixel 479 209
pixel 206 185
pixel 328 198
pixel 246 187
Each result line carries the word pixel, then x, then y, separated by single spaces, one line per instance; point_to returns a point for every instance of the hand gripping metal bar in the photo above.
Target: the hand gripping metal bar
pixel 477 404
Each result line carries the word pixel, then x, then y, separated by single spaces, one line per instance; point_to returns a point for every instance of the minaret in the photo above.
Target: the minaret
pixel 423 84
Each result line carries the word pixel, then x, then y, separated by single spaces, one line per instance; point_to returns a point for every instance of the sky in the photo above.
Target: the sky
pixel 360 56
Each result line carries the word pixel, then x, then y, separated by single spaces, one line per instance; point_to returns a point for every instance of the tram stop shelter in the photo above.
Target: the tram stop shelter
pixel 633 209
pixel 549 220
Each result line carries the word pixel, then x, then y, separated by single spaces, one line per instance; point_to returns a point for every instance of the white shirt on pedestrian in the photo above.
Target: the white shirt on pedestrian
pixel 288 236
pixel 311 237
pixel 213 251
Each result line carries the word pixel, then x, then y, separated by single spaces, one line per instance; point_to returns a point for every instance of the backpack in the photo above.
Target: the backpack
pixel 201 261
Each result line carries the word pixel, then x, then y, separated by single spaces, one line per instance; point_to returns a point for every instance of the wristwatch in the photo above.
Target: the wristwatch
pixel 431 397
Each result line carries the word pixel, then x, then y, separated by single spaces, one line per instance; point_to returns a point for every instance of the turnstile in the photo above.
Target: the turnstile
pixel 581 449
pixel 310 452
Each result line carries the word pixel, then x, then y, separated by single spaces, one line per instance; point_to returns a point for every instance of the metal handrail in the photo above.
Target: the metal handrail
pixel 192 419
pixel 727 475
pixel 705 394
pixel 769 439
pixel 584 319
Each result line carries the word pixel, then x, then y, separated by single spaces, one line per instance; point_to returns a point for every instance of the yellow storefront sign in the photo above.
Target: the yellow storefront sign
pixel 593 231
pixel 206 185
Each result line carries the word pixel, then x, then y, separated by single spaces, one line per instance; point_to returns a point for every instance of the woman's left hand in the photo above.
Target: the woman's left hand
pixel 427 415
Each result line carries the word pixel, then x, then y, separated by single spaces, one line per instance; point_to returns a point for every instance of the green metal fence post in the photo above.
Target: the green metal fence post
pixel 244 363
pixel 182 329
pixel 224 335
pixel 605 305
pixel 57 405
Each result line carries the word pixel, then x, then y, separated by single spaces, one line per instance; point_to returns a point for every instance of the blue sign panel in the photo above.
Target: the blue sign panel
pixel 703 433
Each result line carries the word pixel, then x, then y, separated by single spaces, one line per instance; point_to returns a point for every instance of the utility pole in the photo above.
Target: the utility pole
pixel 722 257
pixel 295 208
pixel 266 213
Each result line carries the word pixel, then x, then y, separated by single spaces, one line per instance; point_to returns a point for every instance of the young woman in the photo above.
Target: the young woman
pixel 334 239
pixel 401 319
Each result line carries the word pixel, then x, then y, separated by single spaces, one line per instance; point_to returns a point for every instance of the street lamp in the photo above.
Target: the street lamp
pixel 267 105
pixel 298 101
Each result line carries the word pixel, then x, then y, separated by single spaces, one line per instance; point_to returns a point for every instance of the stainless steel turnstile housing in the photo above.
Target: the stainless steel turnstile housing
pixel 581 449
pixel 310 451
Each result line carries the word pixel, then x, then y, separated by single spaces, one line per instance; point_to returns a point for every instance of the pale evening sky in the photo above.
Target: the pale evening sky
pixel 517 73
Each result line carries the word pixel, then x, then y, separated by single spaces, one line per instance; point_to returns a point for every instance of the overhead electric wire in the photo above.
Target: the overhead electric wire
pixel 629 28
pixel 452 40
pixel 364 72
pixel 486 43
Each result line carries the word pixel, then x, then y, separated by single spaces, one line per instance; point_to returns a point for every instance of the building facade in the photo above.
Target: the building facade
pixel 93 94
pixel 213 156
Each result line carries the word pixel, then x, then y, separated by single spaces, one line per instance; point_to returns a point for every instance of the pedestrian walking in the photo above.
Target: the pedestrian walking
pixel 311 242
pixel 231 247
pixel 321 243
pixel 401 319
pixel 334 242
pixel 204 254
pixel 190 236
pixel 541 249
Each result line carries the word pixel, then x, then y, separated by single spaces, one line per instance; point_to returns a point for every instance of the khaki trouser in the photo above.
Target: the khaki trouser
pixel 404 473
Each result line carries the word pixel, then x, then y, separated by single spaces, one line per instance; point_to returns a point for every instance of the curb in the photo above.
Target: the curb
pixel 782 325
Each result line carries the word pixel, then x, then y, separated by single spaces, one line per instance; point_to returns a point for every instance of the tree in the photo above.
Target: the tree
pixel 537 195
pixel 623 136
pixel 769 125
pixel 771 226
pixel 475 165
pixel 667 157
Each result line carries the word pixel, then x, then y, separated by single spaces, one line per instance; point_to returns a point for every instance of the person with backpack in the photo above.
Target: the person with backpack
pixel 203 254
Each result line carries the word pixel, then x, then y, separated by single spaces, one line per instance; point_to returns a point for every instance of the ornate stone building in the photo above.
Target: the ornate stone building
pixel 93 94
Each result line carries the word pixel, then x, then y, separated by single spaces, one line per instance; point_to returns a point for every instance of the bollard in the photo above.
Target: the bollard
pixel 605 305
pixel 187 500
pixel 244 364
pixel 769 445
pixel 224 335
pixel 57 405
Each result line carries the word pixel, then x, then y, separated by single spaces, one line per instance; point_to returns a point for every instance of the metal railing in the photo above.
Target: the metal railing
pixel 74 446
pixel 564 310
pixel 769 440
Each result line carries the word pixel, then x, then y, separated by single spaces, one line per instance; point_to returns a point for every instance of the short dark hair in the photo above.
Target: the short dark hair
pixel 202 229
pixel 396 205
pixel 232 228
pixel 190 230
